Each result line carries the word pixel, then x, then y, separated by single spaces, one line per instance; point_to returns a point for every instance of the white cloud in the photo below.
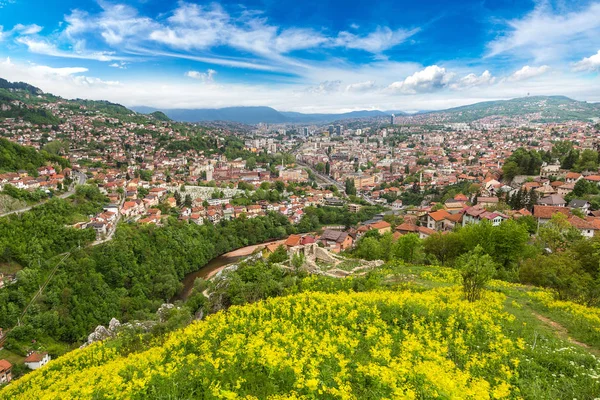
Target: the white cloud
pixel 206 77
pixel 361 86
pixel 547 34
pixel 27 29
pixel 473 80
pixel 4 3
pixel 591 63
pixel 64 80
pixel 44 47
pixel 326 87
pixel 119 65
pixel 429 79
pixel 192 30
pixel 2 33
pixel 528 72
pixel 375 42
pixel 116 23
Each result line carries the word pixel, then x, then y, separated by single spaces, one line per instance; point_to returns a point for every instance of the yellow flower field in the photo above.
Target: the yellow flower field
pixel 399 345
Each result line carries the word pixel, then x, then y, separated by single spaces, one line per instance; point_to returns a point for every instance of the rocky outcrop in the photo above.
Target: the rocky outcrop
pixel 115 326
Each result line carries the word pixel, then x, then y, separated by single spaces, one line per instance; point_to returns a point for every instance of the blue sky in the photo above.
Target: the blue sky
pixel 328 56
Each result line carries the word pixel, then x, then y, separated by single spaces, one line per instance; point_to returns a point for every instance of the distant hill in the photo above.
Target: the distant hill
pixel 549 108
pixel 255 115
pixel 159 115
pixel 4 84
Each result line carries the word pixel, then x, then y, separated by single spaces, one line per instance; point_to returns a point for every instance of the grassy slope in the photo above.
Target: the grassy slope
pixel 550 364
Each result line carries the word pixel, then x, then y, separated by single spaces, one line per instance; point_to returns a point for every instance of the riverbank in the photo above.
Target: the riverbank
pixel 217 264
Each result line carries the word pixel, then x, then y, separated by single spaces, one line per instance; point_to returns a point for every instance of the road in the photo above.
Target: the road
pixel 80 179
pixel 330 181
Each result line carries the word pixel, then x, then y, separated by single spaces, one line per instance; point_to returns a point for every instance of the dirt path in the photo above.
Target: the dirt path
pixel 563 333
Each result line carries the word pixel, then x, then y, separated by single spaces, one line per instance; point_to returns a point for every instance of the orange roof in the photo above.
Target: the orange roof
pixel 426 231
pixel 407 227
pixel 547 212
pixel 35 357
pixel 439 215
pixel 5 365
pixel 380 225
pixel 581 223
pixel 460 197
pixel 293 240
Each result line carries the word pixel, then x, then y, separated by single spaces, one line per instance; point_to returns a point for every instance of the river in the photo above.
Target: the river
pixel 215 265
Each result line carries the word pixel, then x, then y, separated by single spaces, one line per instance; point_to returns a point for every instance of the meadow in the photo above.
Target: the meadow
pixel 409 336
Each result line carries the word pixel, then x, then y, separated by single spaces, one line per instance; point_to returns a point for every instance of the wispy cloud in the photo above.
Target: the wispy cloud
pixel 41 46
pixel 361 86
pixel 473 80
pixel 382 39
pixel 198 31
pixel 546 34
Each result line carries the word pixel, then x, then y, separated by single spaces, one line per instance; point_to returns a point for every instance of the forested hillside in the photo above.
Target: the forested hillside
pixel 14 157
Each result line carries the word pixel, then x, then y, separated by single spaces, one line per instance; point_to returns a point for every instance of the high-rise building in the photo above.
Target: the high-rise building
pixel 330 130
pixel 338 130
pixel 392 118
pixel 305 131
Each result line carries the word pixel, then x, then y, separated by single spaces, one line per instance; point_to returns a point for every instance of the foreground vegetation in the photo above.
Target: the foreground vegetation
pixel 398 332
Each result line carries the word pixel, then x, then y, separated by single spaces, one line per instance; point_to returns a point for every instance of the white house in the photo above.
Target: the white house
pixel 36 360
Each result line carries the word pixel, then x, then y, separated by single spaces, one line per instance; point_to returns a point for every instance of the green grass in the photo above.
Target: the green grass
pixel 550 366
pixel 11 357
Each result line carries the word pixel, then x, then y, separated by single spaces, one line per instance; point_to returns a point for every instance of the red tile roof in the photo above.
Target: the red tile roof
pixel 546 212
pixel 5 365
pixel 380 225
pixel 35 357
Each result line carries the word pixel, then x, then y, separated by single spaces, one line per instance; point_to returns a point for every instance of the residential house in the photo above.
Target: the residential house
pixel 5 371
pixel 544 213
pixel 582 205
pixel 489 201
pixel 435 220
pixel 335 240
pixel 586 228
pixel 381 226
pixel 35 360
pixel 554 200
pixel 572 177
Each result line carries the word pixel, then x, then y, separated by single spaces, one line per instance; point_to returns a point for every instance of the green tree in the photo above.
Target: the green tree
pixel 251 163
pixel 279 255
pixel 350 188
pixel 407 247
pixel 444 247
pixel 477 268
pixel 558 272
pixel 369 248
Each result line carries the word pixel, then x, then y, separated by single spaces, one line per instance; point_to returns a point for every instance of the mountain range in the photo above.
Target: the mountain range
pixel 255 115
pixel 539 108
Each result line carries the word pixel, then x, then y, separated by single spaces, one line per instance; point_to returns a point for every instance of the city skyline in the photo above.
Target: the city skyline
pixel 308 58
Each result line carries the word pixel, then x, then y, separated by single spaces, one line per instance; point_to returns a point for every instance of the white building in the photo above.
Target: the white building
pixel 36 360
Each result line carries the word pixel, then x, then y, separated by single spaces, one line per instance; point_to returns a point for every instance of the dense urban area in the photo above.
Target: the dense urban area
pixel 481 223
